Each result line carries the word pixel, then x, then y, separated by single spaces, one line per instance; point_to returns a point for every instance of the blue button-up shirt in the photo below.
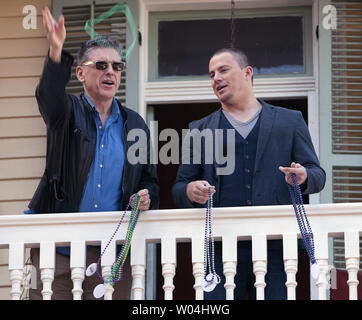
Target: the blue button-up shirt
pixel 103 191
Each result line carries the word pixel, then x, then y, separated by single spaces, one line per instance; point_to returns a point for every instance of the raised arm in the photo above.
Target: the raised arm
pixel 55 33
pixel 50 92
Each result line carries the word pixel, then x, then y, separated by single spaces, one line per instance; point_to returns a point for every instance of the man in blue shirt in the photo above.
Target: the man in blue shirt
pixel 87 167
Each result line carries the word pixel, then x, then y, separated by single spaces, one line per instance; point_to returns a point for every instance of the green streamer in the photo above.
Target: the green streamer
pixel 119 7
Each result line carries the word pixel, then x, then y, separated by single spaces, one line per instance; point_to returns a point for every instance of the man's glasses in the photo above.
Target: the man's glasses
pixel 103 65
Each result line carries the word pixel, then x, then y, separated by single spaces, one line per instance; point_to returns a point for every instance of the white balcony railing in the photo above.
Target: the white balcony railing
pixel 170 226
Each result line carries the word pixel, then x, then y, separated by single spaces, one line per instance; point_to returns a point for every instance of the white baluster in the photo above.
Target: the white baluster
pixel 16 279
pixel 291 268
pixel 322 283
pixel 259 256
pixel 229 272
pixel 106 274
pixel 352 266
pixel 138 265
pixel 77 265
pixel 321 255
pixel 197 247
pixel 290 256
pixel 229 257
pixel 16 268
pixel 351 245
pixel 168 272
pixel 260 269
pixel 47 277
pixel 198 272
pixel 168 261
pixel 77 278
pixel 138 288
pixel 47 267
pixel 107 261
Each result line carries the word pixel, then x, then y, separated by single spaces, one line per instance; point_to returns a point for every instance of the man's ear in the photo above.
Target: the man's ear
pixel 249 72
pixel 80 73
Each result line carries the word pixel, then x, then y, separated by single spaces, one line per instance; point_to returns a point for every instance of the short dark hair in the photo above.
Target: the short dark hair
pixel 106 41
pixel 240 56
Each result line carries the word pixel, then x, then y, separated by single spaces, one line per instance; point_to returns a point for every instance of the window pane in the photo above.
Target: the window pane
pixel 273 44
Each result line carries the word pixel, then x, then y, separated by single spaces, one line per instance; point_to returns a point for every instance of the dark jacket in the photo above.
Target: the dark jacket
pixel 71 145
pixel 283 138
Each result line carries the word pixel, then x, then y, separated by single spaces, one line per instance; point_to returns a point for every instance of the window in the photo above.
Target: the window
pixel 275 41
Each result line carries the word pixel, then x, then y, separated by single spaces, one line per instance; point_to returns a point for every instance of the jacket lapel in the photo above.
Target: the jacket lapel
pixel 266 125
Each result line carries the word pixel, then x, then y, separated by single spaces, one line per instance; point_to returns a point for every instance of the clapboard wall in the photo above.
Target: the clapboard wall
pixel 22 131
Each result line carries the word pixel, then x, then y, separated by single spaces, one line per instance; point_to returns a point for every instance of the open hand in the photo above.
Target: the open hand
pixel 55 32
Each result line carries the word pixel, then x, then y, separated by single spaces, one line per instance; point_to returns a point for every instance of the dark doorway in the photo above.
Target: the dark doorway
pixel 178 116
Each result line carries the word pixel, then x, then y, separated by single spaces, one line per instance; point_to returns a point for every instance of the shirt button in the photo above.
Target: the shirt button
pixel 101 165
pixel 247 186
pixel 248 202
pixel 247 170
pixel 96 206
pixel 246 156
pixel 100 127
pixel 99 186
pixel 102 145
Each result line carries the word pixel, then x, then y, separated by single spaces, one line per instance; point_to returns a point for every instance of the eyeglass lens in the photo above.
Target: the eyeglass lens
pixel 103 65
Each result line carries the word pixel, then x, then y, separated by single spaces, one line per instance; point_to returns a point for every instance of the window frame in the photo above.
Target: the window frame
pixel 157 16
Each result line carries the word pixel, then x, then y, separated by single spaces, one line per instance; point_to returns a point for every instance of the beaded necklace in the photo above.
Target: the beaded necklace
pixel 117 266
pixel 303 223
pixel 211 279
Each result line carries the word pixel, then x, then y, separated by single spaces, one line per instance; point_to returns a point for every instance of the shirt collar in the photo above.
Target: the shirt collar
pixel 115 113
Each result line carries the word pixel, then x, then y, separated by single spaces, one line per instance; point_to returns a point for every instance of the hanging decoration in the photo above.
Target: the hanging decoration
pixel 117 266
pixel 119 7
pixel 211 278
pixel 303 223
